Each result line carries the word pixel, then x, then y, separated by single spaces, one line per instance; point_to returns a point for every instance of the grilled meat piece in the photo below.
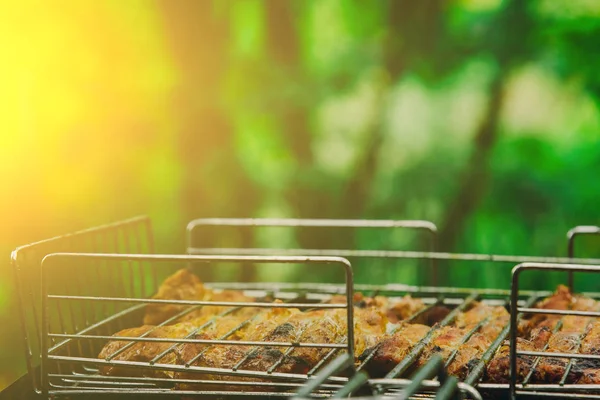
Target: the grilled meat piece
pixel 447 339
pixel 477 313
pixel 404 308
pixel 396 310
pixel 562 299
pixel 184 285
pixel 497 370
pixel 567 340
pixel 589 370
pixel 539 329
pixel 143 351
pixel 393 348
pixel 469 353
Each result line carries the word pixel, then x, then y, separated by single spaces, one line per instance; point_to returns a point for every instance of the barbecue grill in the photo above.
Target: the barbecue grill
pixel 113 272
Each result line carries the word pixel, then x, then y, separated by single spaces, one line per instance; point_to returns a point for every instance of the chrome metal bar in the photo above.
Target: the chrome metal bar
pixel 356 382
pixel 448 389
pixel 559 312
pixel 427 226
pixel 199 302
pixel 181 368
pixel 561 395
pixel 98 324
pixel 135 339
pixel 149 381
pixel 35 383
pixel 429 370
pixel 411 357
pixel 559 355
pixel 571 234
pixel 325 223
pixel 429 384
pixel 167 392
pixel 542 386
pixel 396 254
pixel 339 364
pixel 323 360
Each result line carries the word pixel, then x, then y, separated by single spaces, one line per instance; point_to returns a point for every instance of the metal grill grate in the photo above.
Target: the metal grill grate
pixel 77 320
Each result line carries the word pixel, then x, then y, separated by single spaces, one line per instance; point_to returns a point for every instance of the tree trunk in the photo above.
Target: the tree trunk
pixel 475 178
pixel 213 183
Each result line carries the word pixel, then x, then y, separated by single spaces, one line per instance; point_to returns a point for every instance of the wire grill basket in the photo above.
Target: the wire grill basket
pixel 112 274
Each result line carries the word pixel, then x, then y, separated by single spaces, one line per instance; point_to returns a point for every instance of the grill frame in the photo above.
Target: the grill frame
pixel 432 256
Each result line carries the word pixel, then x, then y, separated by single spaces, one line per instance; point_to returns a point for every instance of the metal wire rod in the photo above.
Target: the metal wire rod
pixel 198 302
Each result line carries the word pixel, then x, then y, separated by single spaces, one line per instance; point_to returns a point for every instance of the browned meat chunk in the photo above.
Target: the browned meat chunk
pixel 498 369
pixel 143 351
pixel 404 308
pixel 560 300
pixel 393 348
pixel 184 285
pixel 469 353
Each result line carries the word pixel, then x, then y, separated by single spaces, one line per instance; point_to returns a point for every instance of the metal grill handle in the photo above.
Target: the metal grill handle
pixel 427 226
pixel 571 234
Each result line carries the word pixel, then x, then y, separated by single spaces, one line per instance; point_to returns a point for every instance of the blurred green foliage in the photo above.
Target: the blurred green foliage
pixel 479 115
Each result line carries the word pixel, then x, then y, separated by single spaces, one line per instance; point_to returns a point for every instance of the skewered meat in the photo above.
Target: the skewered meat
pixel 393 348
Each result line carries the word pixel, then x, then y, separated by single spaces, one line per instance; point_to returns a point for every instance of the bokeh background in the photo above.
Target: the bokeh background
pixel 479 115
